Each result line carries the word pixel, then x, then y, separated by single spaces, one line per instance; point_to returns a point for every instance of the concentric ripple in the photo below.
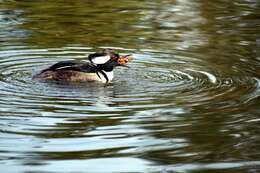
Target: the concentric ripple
pixel 189 102
pixel 145 81
pixel 123 117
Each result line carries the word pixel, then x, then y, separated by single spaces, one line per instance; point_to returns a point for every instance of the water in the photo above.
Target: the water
pixel 189 102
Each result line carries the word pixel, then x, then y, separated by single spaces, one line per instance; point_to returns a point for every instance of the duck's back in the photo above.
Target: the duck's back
pixel 70 71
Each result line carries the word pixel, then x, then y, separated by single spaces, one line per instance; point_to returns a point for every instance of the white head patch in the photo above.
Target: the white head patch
pixel 100 59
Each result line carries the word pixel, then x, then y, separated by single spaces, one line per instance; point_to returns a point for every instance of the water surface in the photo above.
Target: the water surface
pixel 189 102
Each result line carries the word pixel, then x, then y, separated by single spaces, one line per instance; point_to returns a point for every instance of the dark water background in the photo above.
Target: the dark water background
pixel 189 103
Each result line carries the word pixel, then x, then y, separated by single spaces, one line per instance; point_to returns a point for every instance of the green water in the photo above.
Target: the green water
pixel 189 103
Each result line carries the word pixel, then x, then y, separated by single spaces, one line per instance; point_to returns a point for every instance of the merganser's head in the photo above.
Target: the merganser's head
pixel 109 59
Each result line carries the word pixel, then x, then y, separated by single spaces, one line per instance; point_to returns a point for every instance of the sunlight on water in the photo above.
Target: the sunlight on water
pixel 188 103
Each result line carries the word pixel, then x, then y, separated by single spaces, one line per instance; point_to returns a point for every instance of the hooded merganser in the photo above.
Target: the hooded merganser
pixel 100 68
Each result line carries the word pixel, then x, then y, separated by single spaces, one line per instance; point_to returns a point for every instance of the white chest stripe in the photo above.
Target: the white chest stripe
pixel 63 67
pixel 105 76
pixel 110 75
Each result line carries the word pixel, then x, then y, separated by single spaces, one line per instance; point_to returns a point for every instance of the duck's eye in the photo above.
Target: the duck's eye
pixel 114 56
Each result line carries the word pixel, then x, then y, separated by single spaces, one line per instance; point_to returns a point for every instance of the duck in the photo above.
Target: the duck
pixel 99 68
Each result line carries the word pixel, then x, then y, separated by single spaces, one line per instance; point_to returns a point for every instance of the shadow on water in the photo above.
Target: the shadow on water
pixel 189 102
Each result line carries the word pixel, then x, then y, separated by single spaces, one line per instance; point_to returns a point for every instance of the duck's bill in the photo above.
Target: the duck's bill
pixel 129 57
pixel 124 59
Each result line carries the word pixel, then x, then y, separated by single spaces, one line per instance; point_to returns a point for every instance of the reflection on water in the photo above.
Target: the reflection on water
pixel 189 102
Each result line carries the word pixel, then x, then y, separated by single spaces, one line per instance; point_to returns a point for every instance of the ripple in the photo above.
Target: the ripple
pixel 140 83
pixel 125 117
pixel 189 102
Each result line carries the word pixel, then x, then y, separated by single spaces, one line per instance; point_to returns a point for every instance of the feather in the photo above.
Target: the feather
pixel 100 59
pixel 73 65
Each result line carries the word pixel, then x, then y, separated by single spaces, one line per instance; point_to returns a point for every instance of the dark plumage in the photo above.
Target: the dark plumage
pixel 100 68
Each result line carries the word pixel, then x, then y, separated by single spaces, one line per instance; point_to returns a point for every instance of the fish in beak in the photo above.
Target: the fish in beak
pixel 122 60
